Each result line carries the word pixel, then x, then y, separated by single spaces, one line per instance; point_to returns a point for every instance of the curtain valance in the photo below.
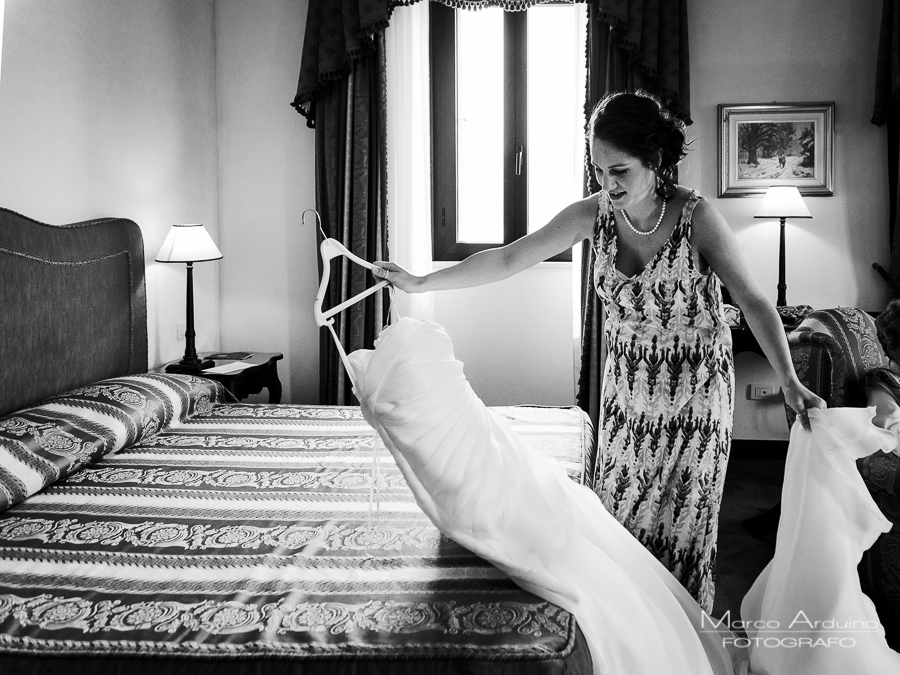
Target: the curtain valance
pixel 338 32
pixel 652 32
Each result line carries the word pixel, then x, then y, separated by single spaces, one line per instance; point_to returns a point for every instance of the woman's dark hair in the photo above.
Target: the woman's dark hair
pixel 887 326
pixel 638 124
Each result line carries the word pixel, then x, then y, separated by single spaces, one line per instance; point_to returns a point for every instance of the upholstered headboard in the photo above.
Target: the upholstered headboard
pixel 73 306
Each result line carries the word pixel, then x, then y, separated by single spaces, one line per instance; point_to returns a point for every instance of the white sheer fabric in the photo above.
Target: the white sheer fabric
pixel 813 618
pixel 409 150
pixel 484 488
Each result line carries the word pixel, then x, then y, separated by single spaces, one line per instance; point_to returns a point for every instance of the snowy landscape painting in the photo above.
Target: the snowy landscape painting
pixel 776 149
pixel 776 144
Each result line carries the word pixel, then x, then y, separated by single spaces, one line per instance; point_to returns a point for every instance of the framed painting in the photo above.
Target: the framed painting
pixel 776 144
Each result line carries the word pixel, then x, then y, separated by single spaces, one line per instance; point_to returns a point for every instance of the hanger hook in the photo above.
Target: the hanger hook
pixel 318 221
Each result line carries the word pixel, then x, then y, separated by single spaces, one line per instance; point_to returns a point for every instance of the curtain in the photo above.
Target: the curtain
pixel 631 44
pixel 647 48
pixel 887 97
pixel 409 151
pixel 338 32
pixel 341 92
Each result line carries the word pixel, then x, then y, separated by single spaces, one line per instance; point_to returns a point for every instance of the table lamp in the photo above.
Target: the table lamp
pixel 188 244
pixel 782 202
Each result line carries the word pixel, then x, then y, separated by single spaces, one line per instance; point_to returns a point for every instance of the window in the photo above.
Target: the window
pixel 507 122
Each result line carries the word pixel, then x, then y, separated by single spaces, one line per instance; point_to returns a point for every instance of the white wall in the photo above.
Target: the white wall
pixel 107 108
pixel 515 337
pixel 800 51
pixel 266 180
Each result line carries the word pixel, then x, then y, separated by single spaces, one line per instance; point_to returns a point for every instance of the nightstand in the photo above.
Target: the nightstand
pixel 259 371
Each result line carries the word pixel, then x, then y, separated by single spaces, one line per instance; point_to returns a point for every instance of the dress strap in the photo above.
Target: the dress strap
pixel 602 221
pixel 687 213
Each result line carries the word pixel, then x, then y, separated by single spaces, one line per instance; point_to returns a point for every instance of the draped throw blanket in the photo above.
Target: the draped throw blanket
pixel 887 97
pixel 631 44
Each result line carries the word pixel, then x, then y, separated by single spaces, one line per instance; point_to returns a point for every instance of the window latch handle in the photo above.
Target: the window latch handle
pixel 520 156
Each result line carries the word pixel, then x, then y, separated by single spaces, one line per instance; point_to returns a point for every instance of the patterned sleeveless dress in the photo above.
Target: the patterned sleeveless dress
pixel 666 403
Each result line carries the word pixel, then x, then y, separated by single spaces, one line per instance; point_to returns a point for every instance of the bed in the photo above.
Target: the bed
pixel 149 524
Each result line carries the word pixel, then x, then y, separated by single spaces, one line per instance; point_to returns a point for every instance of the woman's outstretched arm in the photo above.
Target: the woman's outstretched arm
pixel 718 246
pixel 567 228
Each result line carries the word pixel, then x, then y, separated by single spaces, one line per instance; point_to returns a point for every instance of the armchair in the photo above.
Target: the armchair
pixel 832 350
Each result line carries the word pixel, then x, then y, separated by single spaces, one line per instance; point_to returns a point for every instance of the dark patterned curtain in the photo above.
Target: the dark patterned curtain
pixel 887 102
pixel 631 44
pixel 341 92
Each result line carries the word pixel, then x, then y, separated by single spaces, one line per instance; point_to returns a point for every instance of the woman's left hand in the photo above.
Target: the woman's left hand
pixel 802 399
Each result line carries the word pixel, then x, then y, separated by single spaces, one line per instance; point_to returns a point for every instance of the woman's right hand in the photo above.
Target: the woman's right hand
pixel 396 276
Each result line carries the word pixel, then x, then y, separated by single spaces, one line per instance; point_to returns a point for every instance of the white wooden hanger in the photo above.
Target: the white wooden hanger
pixel 330 249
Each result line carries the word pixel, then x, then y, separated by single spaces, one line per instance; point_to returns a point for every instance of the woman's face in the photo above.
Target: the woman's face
pixel 623 176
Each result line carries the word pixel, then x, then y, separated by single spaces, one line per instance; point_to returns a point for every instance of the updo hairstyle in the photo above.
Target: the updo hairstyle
pixel 638 125
pixel 887 326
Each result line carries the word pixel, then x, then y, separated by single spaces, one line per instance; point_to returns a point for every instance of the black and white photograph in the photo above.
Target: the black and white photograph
pixel 449 337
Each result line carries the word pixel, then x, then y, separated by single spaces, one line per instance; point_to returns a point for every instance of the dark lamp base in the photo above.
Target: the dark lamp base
pixel 187 368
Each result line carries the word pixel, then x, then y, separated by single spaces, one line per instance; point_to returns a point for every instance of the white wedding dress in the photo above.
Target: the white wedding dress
pixel 806 613
pixel 488 491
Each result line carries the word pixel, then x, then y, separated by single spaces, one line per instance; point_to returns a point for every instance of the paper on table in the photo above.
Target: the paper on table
pixel 226 368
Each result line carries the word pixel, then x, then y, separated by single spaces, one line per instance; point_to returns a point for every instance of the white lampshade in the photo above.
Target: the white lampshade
pixel 783 201
pixel 188 243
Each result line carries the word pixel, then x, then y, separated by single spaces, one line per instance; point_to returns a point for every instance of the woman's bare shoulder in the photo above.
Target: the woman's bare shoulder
pixel 583 213
pixel 704 216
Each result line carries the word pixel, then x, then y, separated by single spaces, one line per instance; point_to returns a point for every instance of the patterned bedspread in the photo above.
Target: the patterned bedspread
pixel 267 532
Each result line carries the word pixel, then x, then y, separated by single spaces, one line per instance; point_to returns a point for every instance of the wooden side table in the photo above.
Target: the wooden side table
pixel 260 372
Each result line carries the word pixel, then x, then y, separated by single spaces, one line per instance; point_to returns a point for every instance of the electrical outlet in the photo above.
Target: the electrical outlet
pixel 180 329
pixel 760 391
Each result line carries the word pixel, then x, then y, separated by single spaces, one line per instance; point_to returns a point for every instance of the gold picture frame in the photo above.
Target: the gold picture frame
pixel 761 145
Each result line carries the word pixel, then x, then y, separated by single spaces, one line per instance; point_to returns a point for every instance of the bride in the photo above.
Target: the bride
pixel 661 255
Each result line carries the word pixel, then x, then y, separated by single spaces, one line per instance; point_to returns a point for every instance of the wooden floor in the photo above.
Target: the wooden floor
pixel 752 487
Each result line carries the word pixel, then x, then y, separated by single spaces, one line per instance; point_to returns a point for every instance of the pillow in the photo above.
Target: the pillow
pixel 42 444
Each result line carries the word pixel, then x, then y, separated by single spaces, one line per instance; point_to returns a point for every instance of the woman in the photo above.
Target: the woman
pixel 667 396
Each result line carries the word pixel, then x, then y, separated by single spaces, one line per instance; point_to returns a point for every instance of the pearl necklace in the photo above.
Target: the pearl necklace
pixel 648 232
